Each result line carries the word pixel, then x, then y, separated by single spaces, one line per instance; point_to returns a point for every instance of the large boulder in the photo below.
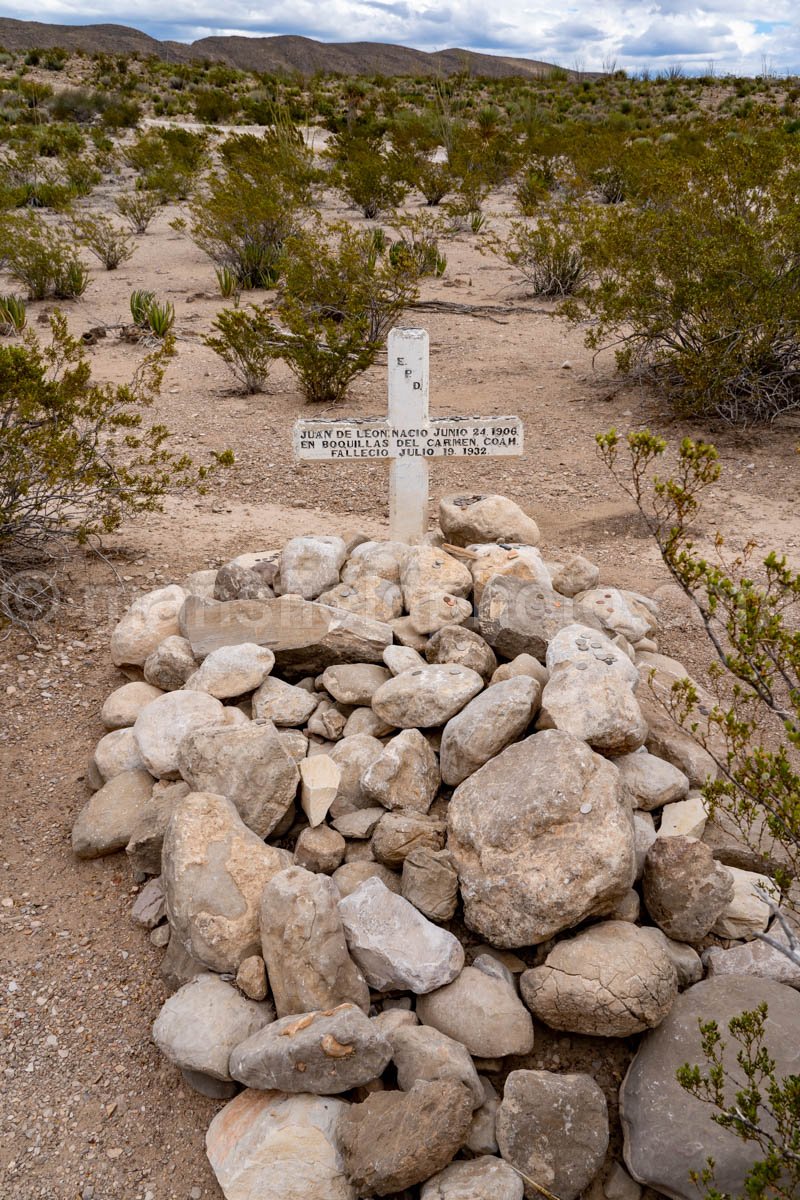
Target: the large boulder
pixel 123 706
pixel 668 1133
pixel 147 622
pixel 521 562
pixel 425 697
pixel 485 517
pixel 486 726
pixel 517 616
pixel 651 782
pixel 304 636
pixel 310 565
pixel 554 1129
pixel 321 1052
pixel 611 980
pixel 616 611
pixel 214 871
pixel 232 671
pixel 425 569
pixel 685 889
pixel 396 1139
pixel 394 945
pixel 482 1011
pixel 163 724
pixel 541 840
pixel 204 1021
pixel 248 764
pixel 405 774
pixel 304 947
pixel 270 1146
pixel 106 822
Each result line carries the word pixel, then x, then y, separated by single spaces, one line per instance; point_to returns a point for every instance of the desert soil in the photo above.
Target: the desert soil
pixel 90 1109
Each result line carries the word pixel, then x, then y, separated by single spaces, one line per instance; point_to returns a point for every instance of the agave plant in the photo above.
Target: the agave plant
pixel 12 315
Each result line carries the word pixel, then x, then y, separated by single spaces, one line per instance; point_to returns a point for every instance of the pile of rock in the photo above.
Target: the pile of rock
pixel 395 805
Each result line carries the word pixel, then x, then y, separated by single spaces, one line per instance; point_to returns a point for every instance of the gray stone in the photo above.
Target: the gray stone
pixel 207 1085
pixel 426 569
pixel 519 617
pixel 465 519
pixel 283 703
pixel 426 696
pixel 482 1137
pixel 177 967
pixel 405 775
pixel 320 1052
pixel 375 558
pixel 553 1128
pixel 577 574
pixel 463 646
pixel 756 958
pixel 147 835
pixel 270 1146
pixel 541 840
pixel 304 947
pixel 396 1139
pixel 234 581
pixel 359 825
pixel 402 658
pixel 430 883
pixel 746 914
pixel 519 562
pixel 310 565
pixel 204 1021
pixel 616 611
pixel 611 980
pixel 232 671
pixel 319 849
pixel 123 706
pixel 438 610
pixel 353 754
pixel 214 871
pixel 485 1178
pixel 249 765
pixel 486 726
pixel 105 823
pixel 150 906
pixel 351 875
pixel 644 832
pixel 398 833
pixel 354 683
pixel 369 596
pixel 170 664
pixel 668 1133
pixel 618 1184
pixel 422 1052
pixel 118 751
pixel 651 782
pixel 363 721
pixel 163 724
pixel 304 636
pixel 684 888
pixel 684 959
pixel 481 1011
pixel 395 946
pixel 147 622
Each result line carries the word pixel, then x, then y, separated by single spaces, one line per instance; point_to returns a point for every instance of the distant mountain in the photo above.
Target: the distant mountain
pixel 280 55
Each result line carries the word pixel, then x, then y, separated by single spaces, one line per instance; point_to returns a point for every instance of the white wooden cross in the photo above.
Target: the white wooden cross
pixel 408 436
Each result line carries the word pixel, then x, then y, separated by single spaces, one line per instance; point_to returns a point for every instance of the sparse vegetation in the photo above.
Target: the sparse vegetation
pixel 107 242
pixel 243 341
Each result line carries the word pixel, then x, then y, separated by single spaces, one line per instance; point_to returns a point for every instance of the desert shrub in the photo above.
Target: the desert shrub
pixel 418 241
pixel 545 255
pixel 12 315
pixel 76 104
pixel 365 173
pixel 108 243
pixel 76 455
pixel 243 342
pixel 168 161
pixel 251 205
pixel 43 259
pixel 214 106
pixel 151 315
pixel 121 113
pixel 535 185
pixel 697 287
pixel 339 298
pixel 138 209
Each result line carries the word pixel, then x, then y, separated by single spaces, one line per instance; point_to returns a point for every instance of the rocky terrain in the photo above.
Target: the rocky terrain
pixel 394 813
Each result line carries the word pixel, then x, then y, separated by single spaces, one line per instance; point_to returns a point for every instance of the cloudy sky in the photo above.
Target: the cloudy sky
pixel 733 35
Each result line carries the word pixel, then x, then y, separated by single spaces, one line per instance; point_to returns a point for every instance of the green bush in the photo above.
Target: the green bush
pixel 43 259
pixel 365 173
pixel 698 286
pixel 339 298
pixel 168 161
pixel 546 255
pixel 213 106
pixel 243 342
pixel 108 243
pixel 138 209
pixel 140 302
pixel 76 456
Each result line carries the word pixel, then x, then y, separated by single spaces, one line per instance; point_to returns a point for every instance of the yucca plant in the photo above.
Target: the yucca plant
pixel 12 315
pixel 160 318
pixel 228 284
pixel 140 302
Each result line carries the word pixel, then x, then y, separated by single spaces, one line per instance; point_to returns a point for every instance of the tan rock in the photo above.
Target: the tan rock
pixel 465 519
pixel 319 849
pixel 404 775
pixel 170 664
pixel 123 706
pixel 746 914
pixel 436 610
pixel 426 569
pixel 482 1011
pixel 354 683
pixel 486 726
pixel 104 824
pixel 398 833
pixel 232 671
pixel 684 888
pixel 426 696
pixel 147 622
pixel 520 562
pixel 319 782
pixel 430 883
pixel 576 575
pixel 163 724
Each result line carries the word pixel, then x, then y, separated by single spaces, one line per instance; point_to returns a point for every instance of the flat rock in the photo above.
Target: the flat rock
pixel 651 782
pixel 616 612
pixel 519 617
pixel 394 945
pixel 668 1133
pixel 354 683
pixel 214 871
pixel 149 908
pixel 304 636
pixel 163 724
pixel 611 980
pixel 684 818
pixel 484 1178
pixel 486 726
pixel 232 671
pixel 319 781
pixel 455 644
pixel 283 703
pixel 271 1146
pixel 755 958
pixel 485 517
pixel 147 622
pixel 106 822
pixel 541 839
pixel 204 1021
pixel 123 706
pixel 249 765
pixel 170 664
pixel 397 834
pixel 310 565
pixel 321 1052
pixel 351 875
pixel 404 775
pixel 425 697
pixel 422 1052
pixel 304 946
pixel 359 825
pixel 684 888
pixel 553 1128
pixel 430 883
pixel 381 1140
pixel 482 1137
pixel 482 1011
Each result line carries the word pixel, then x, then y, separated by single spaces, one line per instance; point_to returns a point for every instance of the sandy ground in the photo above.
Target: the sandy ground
pixel 90 1110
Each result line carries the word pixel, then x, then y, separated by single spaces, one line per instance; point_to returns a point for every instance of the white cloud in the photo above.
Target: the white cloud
pixel 733 33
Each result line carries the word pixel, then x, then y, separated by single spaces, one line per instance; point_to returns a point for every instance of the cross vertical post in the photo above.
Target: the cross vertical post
pixel 408 410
